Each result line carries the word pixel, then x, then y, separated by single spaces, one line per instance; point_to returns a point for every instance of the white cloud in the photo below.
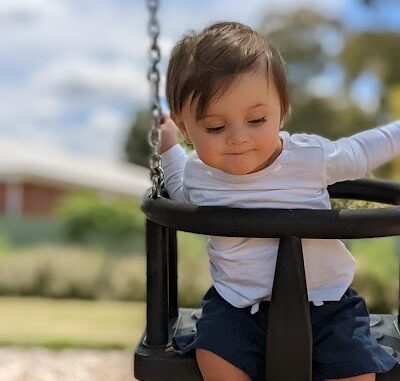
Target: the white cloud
pixel 79 77
pixel 22 108
pixel 106 122
pixel 73 27
pixel 25 10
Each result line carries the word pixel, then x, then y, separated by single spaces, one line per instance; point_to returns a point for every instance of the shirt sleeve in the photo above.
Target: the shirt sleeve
pixel 353 157
pixel 173 162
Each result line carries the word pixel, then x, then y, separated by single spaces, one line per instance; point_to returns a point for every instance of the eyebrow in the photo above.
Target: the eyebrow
pixel 247 109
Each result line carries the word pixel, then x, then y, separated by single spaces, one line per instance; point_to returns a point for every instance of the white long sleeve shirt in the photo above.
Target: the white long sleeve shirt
pixel 243 269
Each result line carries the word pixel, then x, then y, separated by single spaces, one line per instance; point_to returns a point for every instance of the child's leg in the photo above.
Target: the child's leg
pixel 364 377
pixel 215 368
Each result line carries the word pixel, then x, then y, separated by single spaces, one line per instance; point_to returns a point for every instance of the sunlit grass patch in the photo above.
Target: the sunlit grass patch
pixel 70 323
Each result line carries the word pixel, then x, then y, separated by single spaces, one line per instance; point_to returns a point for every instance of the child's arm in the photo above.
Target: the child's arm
pixel 353 157
pixel 173 159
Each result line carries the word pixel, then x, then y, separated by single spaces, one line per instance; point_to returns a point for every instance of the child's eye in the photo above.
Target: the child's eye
pixel 214 130
pixel 258 121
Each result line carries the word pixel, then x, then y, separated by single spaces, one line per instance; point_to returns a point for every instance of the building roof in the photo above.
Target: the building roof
pixel 20 162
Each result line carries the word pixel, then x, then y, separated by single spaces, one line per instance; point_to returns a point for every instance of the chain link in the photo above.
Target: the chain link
pixel 156 171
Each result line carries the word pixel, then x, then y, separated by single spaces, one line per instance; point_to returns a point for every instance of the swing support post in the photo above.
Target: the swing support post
pixel 157 285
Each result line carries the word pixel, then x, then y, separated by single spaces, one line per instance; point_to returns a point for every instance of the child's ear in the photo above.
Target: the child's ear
pixel 182 127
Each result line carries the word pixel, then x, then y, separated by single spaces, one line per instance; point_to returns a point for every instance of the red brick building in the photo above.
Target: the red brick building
pixel 33 180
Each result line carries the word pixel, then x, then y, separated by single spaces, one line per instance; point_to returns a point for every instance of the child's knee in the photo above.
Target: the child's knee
pixel 215 368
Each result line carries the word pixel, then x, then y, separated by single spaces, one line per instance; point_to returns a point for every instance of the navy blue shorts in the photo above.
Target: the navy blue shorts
pixel 342 344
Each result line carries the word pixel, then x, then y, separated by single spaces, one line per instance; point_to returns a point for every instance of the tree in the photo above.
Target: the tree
pixel 307 42
pixel 376 52
pixel 312 43
pixel 394 102
pixel 137 148
pixel 299 36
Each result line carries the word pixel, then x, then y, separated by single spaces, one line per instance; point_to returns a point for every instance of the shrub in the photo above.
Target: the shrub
pixel 377 272
pixel 51 272
pixel 81 272
pixel 88 218
pixel 127 279
pixel 193 273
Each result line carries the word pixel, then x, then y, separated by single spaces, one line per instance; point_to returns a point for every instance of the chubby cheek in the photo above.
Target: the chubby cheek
pixel 208 157
pixel 209 153
pixel 268 141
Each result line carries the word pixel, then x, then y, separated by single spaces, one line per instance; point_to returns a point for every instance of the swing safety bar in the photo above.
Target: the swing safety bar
pixel 275 223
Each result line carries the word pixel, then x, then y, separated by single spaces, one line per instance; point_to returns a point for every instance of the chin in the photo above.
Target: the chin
pixel 238 171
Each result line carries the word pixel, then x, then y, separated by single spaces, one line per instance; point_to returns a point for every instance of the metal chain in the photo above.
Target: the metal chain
pixel 156 171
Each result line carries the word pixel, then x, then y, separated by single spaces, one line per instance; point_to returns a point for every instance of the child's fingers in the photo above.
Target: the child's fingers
pixel 164 118
pixel 168 133
pixel 168 124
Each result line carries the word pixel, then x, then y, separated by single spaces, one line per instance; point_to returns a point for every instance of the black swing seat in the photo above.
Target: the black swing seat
pixel 289 342
pixel 164 364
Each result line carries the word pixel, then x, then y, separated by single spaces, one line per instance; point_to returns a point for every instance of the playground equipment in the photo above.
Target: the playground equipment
pixel 289 342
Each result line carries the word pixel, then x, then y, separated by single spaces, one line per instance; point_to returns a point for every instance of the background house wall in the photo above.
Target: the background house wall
pixel 33 181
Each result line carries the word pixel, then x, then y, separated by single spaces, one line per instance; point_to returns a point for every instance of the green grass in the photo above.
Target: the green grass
pixel 59 324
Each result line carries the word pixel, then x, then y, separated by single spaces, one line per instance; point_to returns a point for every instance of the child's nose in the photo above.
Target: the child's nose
pixel 237 137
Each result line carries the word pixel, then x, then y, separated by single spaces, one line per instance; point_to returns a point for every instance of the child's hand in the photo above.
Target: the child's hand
pixel 168 133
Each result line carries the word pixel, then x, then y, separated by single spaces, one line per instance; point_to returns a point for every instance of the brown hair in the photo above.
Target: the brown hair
pixel 203 64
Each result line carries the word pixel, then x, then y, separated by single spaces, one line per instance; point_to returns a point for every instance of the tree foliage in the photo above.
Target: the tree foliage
pixel 376 52
pixel 87 217
pixel 137 149
pixel 297 35
pixel 311 44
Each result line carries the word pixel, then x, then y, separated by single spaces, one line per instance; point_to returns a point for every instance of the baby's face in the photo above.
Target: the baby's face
pixel 239 133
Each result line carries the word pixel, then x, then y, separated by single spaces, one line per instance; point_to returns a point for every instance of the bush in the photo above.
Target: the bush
pixel 127 279
pixel 49 272
pixel 377 272
pixel 193 271
pixel 89 218
pixel 86 273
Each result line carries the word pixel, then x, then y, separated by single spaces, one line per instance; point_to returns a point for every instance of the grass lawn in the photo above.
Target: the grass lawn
pixel 70 323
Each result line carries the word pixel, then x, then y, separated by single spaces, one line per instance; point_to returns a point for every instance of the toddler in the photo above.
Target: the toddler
pixel 227 92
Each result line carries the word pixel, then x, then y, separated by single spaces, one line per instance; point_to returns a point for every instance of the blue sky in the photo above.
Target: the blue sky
pixel 73 72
